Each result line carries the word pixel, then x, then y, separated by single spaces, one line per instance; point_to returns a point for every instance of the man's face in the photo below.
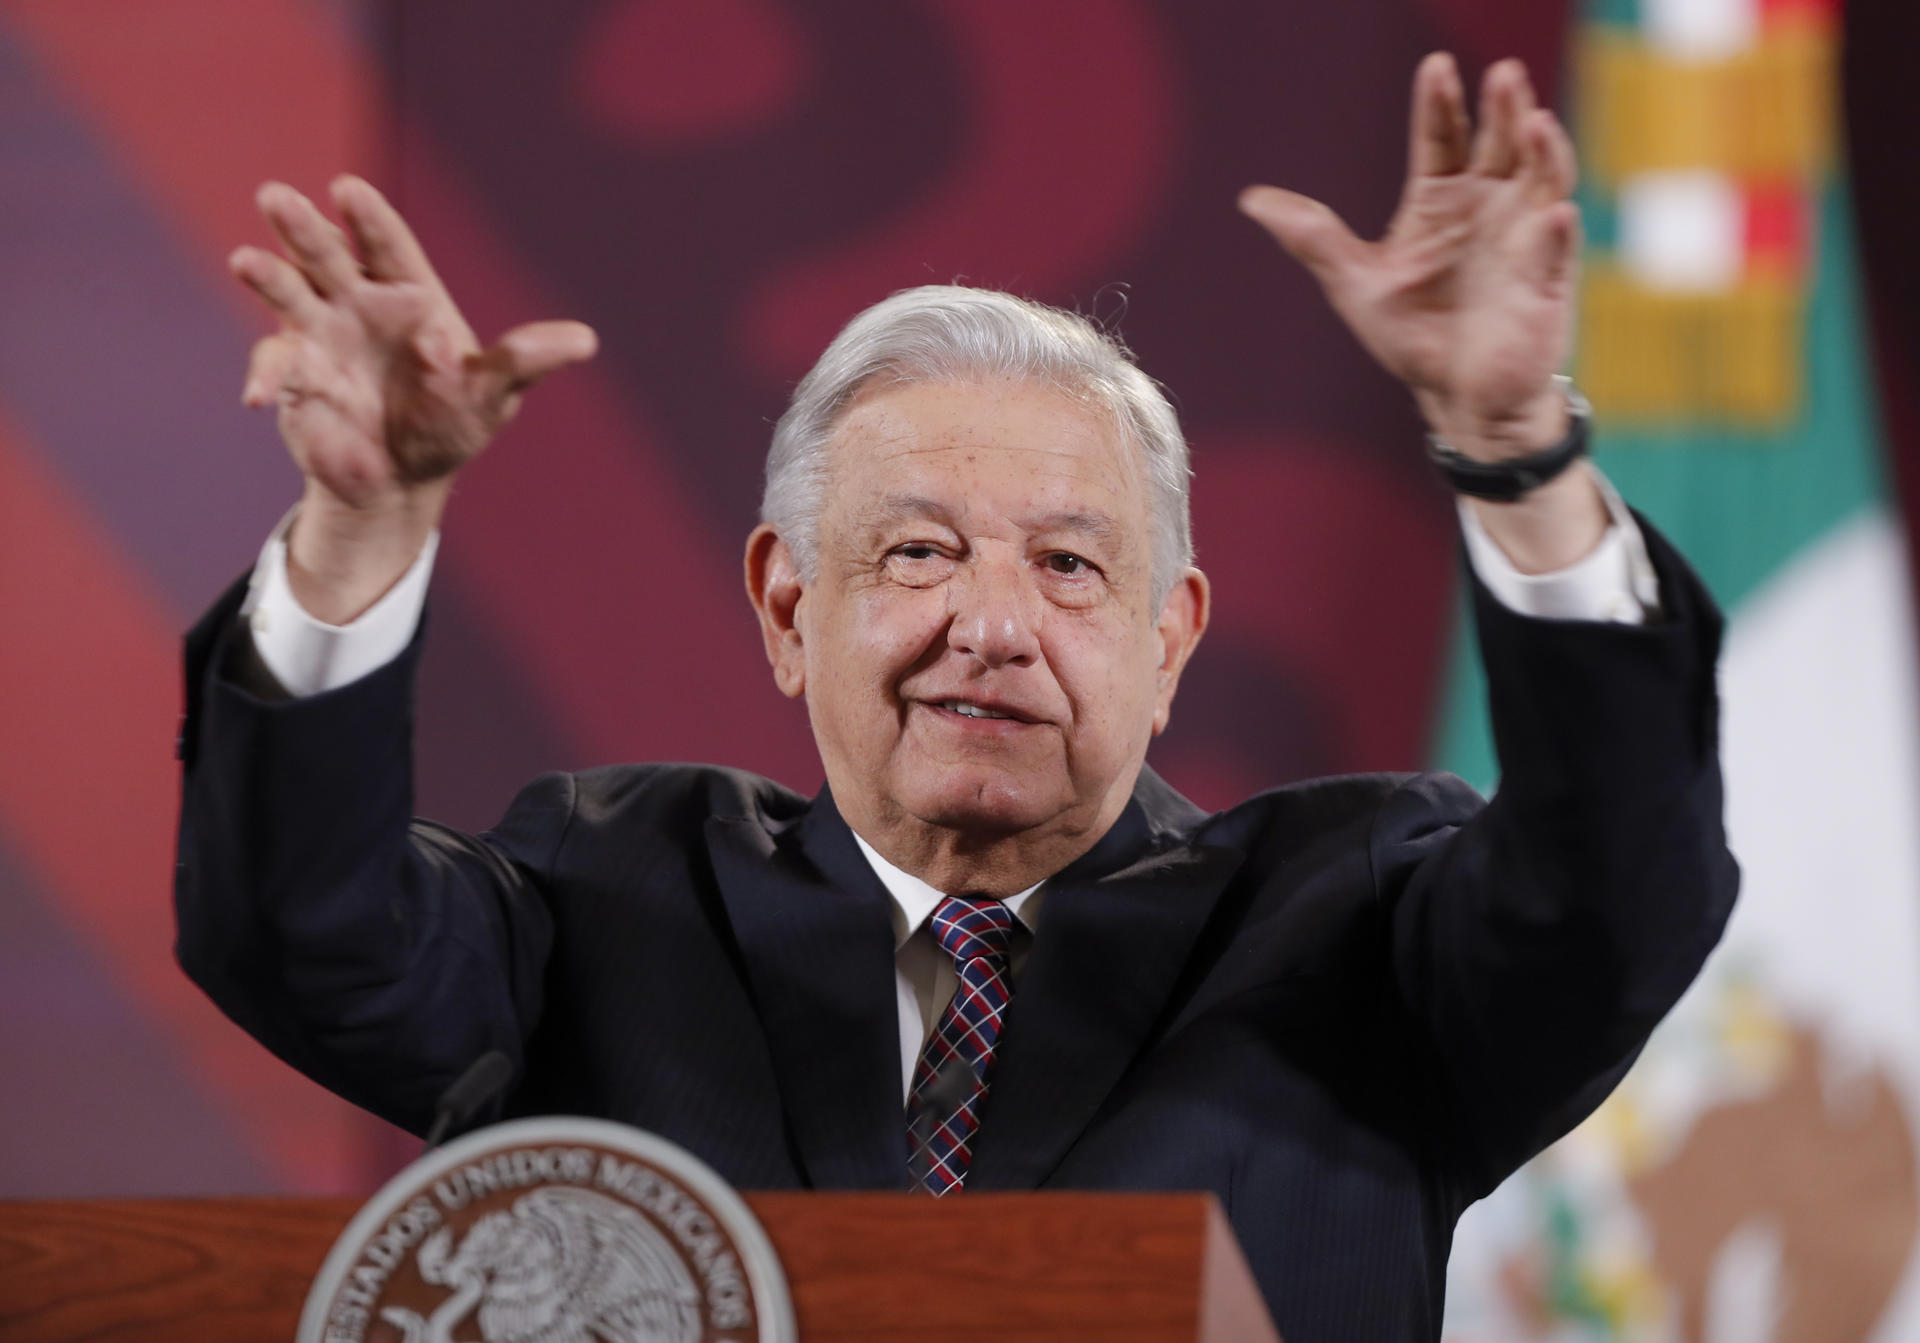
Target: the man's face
pixel 978 648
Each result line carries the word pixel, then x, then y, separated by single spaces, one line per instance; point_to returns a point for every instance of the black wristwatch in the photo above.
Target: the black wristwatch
pixel 1504 482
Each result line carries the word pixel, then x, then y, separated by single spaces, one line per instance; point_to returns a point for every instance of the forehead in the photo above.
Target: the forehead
pixel 1010 447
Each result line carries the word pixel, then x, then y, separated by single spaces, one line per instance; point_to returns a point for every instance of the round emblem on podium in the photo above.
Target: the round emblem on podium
pixel 552 1229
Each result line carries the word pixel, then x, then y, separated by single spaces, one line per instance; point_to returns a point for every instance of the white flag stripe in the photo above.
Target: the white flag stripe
pixel 1700 30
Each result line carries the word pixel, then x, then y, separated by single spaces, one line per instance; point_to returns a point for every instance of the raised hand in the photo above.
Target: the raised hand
pixel 1468 299
pixel 382 390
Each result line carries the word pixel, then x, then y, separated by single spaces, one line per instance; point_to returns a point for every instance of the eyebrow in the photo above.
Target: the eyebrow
pixel 1085 522
pixel 896 508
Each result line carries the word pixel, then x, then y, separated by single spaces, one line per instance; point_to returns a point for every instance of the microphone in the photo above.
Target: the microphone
pixel 940 1102
pixel 483 1080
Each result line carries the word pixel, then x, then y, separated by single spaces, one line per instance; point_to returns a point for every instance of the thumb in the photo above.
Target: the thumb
pixel 526 354
pixel 1310 231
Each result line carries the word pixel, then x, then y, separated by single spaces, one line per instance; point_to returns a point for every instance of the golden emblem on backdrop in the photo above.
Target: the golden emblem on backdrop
pixel 1743 145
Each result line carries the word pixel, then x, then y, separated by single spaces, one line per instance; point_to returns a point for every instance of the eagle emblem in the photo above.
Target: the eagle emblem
pixel 564 1266
pixel 562 1229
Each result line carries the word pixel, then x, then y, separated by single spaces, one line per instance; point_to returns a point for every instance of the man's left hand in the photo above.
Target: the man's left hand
pixel 1468 299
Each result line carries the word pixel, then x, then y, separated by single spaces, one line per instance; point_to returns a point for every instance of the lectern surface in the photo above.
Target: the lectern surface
pixel 1119 1268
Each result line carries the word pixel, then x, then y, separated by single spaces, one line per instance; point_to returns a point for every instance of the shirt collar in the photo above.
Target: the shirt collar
pixel 914 901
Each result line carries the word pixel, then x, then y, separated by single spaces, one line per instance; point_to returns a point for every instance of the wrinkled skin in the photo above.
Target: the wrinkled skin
pixel 984 550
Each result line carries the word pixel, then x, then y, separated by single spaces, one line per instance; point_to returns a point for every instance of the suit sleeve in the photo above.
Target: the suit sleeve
pixel 377 954
pixel 1537 941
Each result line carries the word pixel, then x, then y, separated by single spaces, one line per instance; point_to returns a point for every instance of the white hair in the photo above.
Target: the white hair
pixel 950 333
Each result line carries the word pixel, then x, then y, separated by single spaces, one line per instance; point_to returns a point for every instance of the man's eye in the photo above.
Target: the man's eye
pixel 916 550
pixel 1063 563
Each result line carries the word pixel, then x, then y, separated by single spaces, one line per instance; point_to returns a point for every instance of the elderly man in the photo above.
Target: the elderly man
pixel 996 951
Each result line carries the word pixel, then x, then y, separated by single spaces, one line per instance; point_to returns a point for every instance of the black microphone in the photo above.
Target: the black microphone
pixel 486 1078
pixel 940 1102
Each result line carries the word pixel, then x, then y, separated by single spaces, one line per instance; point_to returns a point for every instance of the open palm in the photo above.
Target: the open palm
pixel 1468 298
pixel 381 386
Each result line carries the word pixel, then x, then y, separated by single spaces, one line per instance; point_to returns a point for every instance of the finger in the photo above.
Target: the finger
pixel 525 355
pixel 1553 247
pixel 1437 140
pixel 1505 95
pixel 315 243
pixel 1311 233
pixel 387 246
pixel 1547 162
pixel 279 285
pixel 268 369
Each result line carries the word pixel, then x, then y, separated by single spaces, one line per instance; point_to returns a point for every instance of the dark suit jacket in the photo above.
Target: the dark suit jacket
pixel 1347 1007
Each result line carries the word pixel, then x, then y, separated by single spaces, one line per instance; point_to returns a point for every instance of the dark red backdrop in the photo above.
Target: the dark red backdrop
pixel 715 185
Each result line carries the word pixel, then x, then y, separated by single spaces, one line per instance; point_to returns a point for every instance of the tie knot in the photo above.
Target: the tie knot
pixel 974 927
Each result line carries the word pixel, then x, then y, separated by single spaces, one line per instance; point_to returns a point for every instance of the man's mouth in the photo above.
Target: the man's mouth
pixel 973 710
pixel 968 709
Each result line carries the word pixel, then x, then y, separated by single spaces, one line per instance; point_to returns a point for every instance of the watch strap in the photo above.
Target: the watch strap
pixel 1504 482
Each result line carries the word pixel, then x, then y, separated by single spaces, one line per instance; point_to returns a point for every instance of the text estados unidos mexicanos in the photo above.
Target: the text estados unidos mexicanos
pixel 691 1226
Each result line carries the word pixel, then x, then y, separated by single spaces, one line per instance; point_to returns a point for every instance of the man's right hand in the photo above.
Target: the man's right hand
pixel 383 391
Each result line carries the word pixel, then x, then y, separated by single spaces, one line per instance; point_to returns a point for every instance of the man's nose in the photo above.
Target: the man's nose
pixel 995 612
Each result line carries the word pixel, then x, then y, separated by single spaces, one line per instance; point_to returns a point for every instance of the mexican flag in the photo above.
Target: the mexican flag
pixel 1754 1177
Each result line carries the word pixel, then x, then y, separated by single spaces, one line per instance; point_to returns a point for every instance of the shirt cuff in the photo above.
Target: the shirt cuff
pixel 308 656
pixel 1614 582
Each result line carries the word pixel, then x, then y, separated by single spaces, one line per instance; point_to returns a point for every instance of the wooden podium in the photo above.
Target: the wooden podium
pixel 1120 1268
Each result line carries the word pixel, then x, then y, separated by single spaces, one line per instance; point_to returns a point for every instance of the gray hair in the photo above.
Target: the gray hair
pixel 949 333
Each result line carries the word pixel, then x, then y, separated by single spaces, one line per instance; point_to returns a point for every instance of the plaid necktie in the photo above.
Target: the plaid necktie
pixel 950 1081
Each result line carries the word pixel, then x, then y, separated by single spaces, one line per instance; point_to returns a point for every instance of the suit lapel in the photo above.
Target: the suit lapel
pixel 815 931
pixel 1115 930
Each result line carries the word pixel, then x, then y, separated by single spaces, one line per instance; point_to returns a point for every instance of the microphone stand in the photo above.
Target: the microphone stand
pixel 485 1078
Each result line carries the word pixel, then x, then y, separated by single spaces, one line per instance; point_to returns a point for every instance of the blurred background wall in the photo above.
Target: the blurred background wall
pixel 716 185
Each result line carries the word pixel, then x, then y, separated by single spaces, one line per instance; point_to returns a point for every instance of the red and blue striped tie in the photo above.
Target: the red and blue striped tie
pixel 977 932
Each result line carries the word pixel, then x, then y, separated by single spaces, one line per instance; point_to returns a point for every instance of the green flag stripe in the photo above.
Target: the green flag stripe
pixel 1739 505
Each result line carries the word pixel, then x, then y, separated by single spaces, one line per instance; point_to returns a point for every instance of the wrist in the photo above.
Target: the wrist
pixel 1553 527
pixel 1533 425
pixel 342 558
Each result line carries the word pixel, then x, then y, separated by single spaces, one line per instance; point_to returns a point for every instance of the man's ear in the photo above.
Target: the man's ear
pixel 774 588
pixel 1183 619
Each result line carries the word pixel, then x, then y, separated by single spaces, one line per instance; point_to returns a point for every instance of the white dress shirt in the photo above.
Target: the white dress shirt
pixel 1614 582
pixel 925 979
